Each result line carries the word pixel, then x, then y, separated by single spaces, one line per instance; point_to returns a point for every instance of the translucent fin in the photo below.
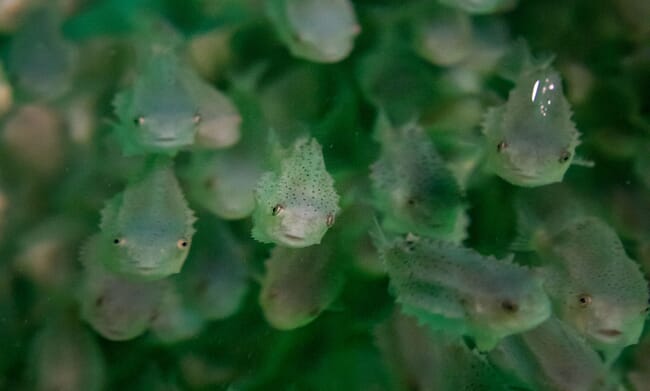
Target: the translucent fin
pixel 519 59
pixel 580 161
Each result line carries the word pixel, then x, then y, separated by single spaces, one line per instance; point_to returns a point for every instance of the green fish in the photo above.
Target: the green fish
pixel 457 290
pixel 146 231
pixel 296 204
pixel 316 30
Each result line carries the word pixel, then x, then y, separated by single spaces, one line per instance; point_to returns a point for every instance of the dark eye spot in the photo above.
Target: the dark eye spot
pixel 277 210
pixel 410 201
pixel 564 157
pixel 501 146
pixel 99 301
pixel 509 306
pixel 182 244
pixel 139 121
pixel 584 300
pixel 210 183
pixel 119 241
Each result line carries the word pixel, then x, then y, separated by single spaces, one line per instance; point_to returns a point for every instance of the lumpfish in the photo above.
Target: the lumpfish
pixel 6 93
pixel 551 357
pixel 34 139
pixel 299 284
pixel 481 6
pixel 46 253
pixel 215 280
pixel 443 37
pixel 64 356
pixel 457 290
pixel 117 307
pixel 531 140
pixel 431 361
pixel 316 30
pixel 413 189
pixel 218 119
pixel 594 286
pixel 223 182
pixel 391 77
pixel 158 113
pixel 40 58
pixel 297 203
pixel 146 231
pixel 174 320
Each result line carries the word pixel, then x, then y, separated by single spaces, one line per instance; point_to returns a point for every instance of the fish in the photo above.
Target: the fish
pixel 146 230
pixel 316 30
pixel 297 203
pixel 455 289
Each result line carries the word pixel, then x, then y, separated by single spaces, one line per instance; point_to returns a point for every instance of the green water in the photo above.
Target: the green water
pixel 324 195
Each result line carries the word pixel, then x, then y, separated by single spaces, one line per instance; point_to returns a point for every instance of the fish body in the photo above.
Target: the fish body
pixel 531 139
pixel 413 187
pixel 594 286
pixel 146 231
pixel 316 30
pixel 299 285
pixel 551 357
pixel 297 203
pixel 117 307
pixel 457 290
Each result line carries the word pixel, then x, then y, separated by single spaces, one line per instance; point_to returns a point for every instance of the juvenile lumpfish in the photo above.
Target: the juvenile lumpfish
pixel 40 58
pixel 317 30
pixel 6 92
pixel 64 356
pixel 174 320
pixel 531 140
pixel 430 361
pixel 296 204
pixel 444 37
pixel 218 119
pixel 298 285
pixel 158 113
pixel 223 182
pixel 551 357
pixel 146 231
pixel 457 290
pixel 215 279
pixel 594 286
pixel 413 188
pixel 117 307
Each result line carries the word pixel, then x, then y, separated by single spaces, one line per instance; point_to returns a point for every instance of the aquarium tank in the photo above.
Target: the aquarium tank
pixel 324 195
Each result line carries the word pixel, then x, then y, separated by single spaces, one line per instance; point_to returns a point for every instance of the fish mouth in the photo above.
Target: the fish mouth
pixel 293 240
pixel 294 237
pixel 611 333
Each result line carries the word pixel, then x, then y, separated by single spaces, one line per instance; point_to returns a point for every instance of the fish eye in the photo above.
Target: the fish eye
pixel 509 306
pixel 197 118
pixel 119 241
pixel 182 244
pixel 139 121
pixel 99 301
pixel 210 183
pixel 501 146
pixel 564 157
pixel 584 300
pixel 277 210
pixel 330 220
